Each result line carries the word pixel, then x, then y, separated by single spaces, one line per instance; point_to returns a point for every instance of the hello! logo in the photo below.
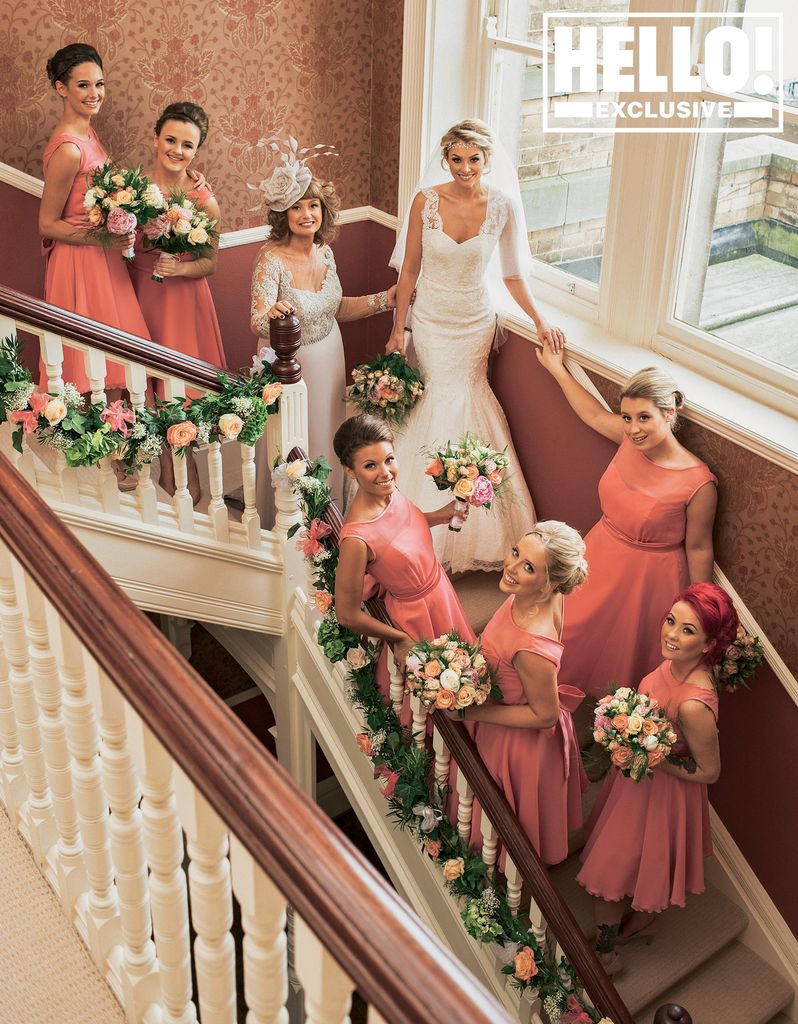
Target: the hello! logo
pixel 661 74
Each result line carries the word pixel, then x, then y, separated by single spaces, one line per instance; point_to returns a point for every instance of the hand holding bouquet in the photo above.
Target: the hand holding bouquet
pixel 119 199
pixel 182 226
pixel 634 729
pixel 387 387
pixel 448 673
pixel 471 470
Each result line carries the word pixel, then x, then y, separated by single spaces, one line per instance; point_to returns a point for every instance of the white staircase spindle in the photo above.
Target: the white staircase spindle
pixel 108 487
pixel 51 349
pixel 183 505
pixel 163 843
pixel 514 884
pixel 374 1016
pixel 211 904
pixel 250 518
pixel 12 773
pixel 263 917
pixel 419 726
pixel 442 759
pixel 490 839
pixel 217 510
pixel 538 923
pixel 146 495
pixel 397 685
pixel 96 369
pixel 328 991
pixel 465 805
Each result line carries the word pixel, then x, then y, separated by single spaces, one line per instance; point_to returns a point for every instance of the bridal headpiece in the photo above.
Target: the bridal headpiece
pixel 290 179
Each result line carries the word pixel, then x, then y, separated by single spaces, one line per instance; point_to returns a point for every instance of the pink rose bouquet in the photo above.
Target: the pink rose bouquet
pixel 740 661
pixel 387 387
pixel 449 673
pixel 634 729
pixel 182 227
pixel 120 199
pixel 471 470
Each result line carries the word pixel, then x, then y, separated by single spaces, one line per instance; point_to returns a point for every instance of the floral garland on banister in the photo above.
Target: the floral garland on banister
pixel 409 778
pixel 85 434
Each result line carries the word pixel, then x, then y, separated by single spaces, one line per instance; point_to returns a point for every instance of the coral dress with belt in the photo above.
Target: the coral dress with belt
pixel 179 311
pixel 417 592
pixel 88 279
pixel 648 839
pixel 637 565
pixel 539 770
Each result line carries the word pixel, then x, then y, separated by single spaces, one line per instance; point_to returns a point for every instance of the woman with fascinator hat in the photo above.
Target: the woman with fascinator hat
pixel 295 273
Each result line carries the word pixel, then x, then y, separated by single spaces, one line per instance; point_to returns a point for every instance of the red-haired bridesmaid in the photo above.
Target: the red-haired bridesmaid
pixel 82 275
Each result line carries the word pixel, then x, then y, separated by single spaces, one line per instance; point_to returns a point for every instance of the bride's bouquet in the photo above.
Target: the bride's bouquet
pixel 182 226
pixel 120 199
pixel 633 728
pixel 472 470
pixel 448 673
pixel 387 387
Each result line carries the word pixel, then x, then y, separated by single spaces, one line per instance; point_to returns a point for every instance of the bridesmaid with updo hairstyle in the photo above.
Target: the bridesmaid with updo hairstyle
pixel 82 275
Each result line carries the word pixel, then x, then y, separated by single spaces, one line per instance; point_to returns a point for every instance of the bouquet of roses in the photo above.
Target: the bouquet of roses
pixel 471 470
pixel 387 387
pixel 181 226
pixel 633 728
pixel 740 662
pixel 119 199
pixel 449 673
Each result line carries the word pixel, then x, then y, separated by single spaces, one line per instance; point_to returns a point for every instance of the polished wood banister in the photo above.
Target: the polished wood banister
pixel 397 963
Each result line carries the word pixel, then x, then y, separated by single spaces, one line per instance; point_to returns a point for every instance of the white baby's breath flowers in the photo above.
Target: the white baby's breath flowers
pixel 17 400
pixel 138 432
pixel 71 397
pixel 203 432
pixel 242 406
pixel 150 449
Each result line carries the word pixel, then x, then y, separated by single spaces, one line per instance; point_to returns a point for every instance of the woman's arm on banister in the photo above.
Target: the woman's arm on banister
pixel 408 276
pixel 587 408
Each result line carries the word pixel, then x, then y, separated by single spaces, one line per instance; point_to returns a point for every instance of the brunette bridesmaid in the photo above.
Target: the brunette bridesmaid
pixel 81 274
pixel 648 839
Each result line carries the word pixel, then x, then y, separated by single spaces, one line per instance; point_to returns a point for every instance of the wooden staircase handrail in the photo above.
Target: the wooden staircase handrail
pixel 396 962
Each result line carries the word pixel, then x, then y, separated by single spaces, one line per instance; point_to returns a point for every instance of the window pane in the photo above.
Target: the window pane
pixel 525 17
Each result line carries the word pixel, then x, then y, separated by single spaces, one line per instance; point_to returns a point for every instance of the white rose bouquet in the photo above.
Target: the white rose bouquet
pixel 120 199
pixel 181 227
pixel 449 673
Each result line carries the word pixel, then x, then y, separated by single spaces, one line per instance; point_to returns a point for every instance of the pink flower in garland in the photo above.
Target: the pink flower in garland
pixel 309 542
pixel 385 772
pixel 575 1013
pixel 117 417
pixel 29 418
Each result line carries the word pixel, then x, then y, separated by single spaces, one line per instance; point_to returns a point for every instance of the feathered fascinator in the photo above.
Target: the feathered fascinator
pixel 290 178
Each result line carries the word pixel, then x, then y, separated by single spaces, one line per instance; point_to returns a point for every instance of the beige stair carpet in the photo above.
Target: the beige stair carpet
pixel 46 973
pixel 480 596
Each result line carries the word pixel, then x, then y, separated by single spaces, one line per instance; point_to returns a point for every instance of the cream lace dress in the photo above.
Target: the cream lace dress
pixel 454 325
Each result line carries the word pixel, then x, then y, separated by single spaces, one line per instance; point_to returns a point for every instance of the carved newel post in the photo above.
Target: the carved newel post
pixel 672 1013
pixel 285 336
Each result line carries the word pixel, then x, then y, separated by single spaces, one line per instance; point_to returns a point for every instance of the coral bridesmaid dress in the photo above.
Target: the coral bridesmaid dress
pixel 88 279
pixel 417 592
pixel 179 311
pixel 539 770
pixel 648 839
pixel 637 564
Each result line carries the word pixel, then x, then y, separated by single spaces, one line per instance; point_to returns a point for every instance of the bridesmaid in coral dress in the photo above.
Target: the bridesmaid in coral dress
pixel 648 840
pixel 527 741
pixel 81 275
pixel 388 538
pixel 654 538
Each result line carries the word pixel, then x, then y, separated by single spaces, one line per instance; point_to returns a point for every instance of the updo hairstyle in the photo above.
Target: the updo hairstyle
pixel 358 432
pixel 716 613
pixel 471 132
pixel 60 65
pixel 654 385
pixel 325 192
pixel 188 113
pixel 565 554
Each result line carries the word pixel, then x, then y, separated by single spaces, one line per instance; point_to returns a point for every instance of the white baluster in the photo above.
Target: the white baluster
pixel 96 368
pixel 442 759
pixel 250 518
pixel 140 975
pixel 465 805
pixel 47 687
pixel 37 813
pixel 328 991
pixel 538 923
pixel 183 504
pixel 419 726
pixel 289 428
pixel 83 740
pixel 13 782
pixel 489 840
pixel 397 686
pixel 163 843
pixel 374 1016
pixel 108 487
pixel 217 510
pixel 514 884
pixel 263 916
pixel 51 349
pixel 211 904
pixel 146 495
pixel 531 1007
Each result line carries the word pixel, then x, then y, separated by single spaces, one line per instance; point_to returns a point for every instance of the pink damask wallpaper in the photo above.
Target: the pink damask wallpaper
pixel 326 71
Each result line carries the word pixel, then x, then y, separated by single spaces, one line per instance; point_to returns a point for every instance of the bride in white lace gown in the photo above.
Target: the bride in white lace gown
pixel 452 233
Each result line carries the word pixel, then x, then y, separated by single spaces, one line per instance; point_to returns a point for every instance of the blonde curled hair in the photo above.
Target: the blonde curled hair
pixel 325 192
pixel 656 386
pixel 471 132
pixel 565 554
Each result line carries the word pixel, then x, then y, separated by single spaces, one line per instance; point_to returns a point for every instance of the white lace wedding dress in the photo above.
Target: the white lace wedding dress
pixel 454 324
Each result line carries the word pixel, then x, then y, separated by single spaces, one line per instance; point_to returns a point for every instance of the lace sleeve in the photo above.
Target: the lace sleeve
pixel 512 243
pixel 265 292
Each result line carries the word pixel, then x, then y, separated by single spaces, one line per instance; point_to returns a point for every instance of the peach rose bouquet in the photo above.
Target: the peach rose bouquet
pixel 182 226
pixel 120 199
pixel 633 728
pixel 449 673
pixel 387 387
pixel 472 470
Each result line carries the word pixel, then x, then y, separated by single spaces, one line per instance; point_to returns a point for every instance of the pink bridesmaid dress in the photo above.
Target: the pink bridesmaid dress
pixel 648 839
pixel 88 279
pixel 417 592
pixel 179 311
pixel 539 770
pixel 637 564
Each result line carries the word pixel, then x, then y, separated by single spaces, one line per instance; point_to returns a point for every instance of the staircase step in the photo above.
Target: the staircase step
pixel 685 938
pixel 781 1018
pixel 735 985
pixel 480 596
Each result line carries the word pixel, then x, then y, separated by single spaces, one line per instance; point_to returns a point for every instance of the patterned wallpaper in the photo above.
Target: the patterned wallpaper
pixel 756 530
pixel 324 70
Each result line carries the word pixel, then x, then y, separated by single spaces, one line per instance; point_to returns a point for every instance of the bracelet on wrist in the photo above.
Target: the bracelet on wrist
pixel 378 301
